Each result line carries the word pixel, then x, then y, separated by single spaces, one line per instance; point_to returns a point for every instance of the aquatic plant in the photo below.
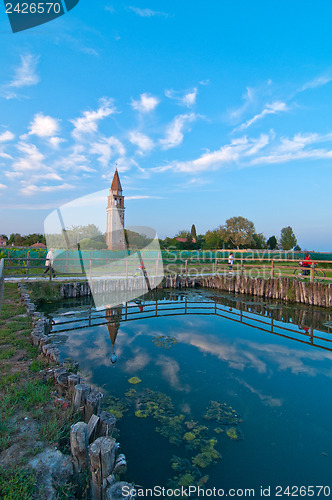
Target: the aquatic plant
pixel 131 393
pixel 208 454
pixel 141 414
pixel 164 341
pixel 189 436
pixel 218 430
pixel 231 433
pixel 186 480
pixel 134 380
pixel 203 480
pixel 172 428
pixel 190 424
pixel 221 413
pixel 117 406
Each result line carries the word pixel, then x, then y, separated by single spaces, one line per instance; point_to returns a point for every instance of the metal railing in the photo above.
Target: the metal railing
pixel 128 312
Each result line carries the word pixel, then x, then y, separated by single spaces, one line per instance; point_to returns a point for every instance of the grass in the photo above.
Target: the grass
pixel 24 393
pixel 17 485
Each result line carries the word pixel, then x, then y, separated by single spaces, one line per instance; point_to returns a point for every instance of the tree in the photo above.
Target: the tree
pixel 193 232
pixel 287 238
pixel 272 243
pixel 238 230
pixel 213 240
pixel 258 241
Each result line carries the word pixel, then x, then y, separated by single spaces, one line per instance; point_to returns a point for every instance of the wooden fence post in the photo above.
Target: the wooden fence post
pixel 186 268
pixel 79 445
pixel 272 268
pixel 312 270
pixel 102 459
pixel 215 266
pixel 241 269
pixel 28 261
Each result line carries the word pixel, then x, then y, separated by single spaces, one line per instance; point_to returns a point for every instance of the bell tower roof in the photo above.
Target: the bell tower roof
pixel 116 184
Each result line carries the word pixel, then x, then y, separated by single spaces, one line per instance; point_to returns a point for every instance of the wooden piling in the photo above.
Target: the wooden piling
pixel 102 460
pixel 79 446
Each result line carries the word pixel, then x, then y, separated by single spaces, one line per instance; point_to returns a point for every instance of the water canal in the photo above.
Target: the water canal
pixel 218 375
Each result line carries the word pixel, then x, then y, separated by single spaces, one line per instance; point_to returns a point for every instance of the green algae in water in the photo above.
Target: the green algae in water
pixel 232 433
pixel 221 413
pixel 117 406
pixel 134 380
pixel 131 393
pixel 164 341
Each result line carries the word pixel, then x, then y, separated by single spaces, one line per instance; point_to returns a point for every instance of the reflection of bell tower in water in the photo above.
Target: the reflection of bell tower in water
pixel 115 239
pixel 113 317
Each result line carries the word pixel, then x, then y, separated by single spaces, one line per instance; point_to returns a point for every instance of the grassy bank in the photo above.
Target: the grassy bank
pixel 29 418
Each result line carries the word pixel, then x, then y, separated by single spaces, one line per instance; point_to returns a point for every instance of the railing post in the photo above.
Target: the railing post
pixel 272 268
pixel 186 268
pixel 241 268
pixel 215 266
pixel 312 273
pixel 126 267
pixel 27 266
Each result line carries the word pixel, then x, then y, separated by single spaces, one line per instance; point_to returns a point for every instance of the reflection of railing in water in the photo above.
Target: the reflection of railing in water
pixel 128 312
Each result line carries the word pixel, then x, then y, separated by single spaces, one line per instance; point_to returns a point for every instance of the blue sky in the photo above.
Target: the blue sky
pixel 210 110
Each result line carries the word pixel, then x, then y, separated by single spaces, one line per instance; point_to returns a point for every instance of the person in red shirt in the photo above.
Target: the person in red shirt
pixel 307 263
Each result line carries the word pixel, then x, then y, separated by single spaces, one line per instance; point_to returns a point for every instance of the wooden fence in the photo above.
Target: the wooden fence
pixel 2 274
pixel 91 267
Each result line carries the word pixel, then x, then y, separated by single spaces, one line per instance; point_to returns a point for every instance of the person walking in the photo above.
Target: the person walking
pixel 49 263
pixel 230 263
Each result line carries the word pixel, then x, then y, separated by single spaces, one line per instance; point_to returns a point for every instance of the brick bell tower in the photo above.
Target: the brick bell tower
pixel 115 239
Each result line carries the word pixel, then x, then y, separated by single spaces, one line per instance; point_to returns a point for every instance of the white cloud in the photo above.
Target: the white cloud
pixel 147 12
pixel 270 109
pixel 6 136
pixel 26 73
pixel 233 153
pixel 3 186
pixel 88 123
pixel 43 126
pixel 320 81
pixel 174 132
pixel 31 189
pixel 187 98
pixel 32 158
pixel 56 141
pixel 107 148
pixel 145 104
pixel 143 142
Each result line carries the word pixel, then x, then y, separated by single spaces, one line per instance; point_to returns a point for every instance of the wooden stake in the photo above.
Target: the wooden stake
pixel 102 459
pixel 79 445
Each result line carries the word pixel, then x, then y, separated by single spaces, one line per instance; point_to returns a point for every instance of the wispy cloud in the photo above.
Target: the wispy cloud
pixel 270 109
pixel 186 98
pixel 106 149
pixel 142 141
pixel 147 12
pixel 32 189
pixel 320 81
pixel 145 104
pixel 88 123
pixel 26 73
pixel 174 132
